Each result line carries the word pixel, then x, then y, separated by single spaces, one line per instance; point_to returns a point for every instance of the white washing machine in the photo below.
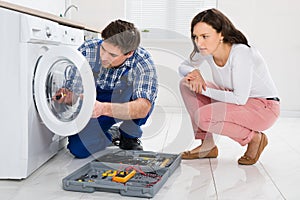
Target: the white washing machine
pixel 34 59
pixel 71 37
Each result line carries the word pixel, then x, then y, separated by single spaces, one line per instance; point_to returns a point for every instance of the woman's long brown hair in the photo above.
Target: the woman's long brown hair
pixel 218 21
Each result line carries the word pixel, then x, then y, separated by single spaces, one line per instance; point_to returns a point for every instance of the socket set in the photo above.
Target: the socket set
pixel 130 173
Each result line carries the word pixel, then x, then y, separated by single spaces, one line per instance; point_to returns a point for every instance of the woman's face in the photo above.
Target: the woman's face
pixel 206 38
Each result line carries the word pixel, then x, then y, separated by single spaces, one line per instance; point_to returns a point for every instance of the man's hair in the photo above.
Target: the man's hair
pixel 123 35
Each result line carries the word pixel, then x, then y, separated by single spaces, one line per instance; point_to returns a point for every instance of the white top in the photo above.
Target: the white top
pixel 245 75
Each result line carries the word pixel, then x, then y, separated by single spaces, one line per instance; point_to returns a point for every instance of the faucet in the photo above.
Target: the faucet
pixel 69 7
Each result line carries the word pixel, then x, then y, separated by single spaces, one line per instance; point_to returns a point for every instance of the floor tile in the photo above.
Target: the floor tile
pixel 275 176
pixel 180 136
pixel 156 129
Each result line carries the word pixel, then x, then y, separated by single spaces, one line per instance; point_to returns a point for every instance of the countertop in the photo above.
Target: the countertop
pixel 46 15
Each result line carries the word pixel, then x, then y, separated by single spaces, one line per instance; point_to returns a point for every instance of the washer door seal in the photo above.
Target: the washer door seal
pixel 67 68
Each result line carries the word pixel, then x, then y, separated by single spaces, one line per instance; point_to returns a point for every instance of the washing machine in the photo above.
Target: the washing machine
pixel 35 62
pixel 71 37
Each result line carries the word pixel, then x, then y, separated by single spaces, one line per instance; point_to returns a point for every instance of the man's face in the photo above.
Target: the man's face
pixel 111 56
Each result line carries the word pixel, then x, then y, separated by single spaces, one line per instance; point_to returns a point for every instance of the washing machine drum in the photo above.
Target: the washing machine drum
pixel 64 90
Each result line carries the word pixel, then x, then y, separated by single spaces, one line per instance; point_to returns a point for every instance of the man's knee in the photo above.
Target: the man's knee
pixel 79 151
pixel 77 148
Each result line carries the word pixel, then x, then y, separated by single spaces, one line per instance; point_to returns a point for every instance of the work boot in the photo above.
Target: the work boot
pixel 130 143
pixel 115 135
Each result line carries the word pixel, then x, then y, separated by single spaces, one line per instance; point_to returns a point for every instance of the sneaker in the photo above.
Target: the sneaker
pixel 130 143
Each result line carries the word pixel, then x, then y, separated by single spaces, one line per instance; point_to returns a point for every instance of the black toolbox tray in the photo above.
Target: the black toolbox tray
pixel 152 171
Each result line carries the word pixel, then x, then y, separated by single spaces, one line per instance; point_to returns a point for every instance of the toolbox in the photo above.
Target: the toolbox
pixel 128 172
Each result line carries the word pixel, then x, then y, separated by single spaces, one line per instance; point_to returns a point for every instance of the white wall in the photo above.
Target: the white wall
pixel 55 7
pixel 97 13
pixel 270 25
pixel 273 27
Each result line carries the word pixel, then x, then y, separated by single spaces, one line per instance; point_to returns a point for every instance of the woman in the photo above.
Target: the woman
pixel 241 102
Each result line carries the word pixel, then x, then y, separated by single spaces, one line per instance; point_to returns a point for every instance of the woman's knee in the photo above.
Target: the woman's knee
pixel 183 85
pixel 203 118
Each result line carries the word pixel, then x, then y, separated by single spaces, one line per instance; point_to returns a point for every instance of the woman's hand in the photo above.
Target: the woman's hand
pixel 195 81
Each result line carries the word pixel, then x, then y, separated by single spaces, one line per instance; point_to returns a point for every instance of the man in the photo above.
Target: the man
pixel 126 84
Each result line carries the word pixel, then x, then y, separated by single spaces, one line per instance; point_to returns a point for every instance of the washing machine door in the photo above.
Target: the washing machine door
pixel 64 90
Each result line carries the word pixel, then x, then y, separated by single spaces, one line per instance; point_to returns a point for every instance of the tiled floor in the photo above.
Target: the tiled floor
pixel 275 176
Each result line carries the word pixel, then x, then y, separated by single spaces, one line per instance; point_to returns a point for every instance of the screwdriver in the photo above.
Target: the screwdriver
pixel 57 97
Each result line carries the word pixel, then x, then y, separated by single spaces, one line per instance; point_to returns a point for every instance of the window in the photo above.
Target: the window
pixel 174 15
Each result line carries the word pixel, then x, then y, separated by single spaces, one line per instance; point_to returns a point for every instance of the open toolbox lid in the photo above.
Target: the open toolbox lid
pixel 130 173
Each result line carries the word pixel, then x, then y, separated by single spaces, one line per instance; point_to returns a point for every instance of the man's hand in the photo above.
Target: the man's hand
pixel 64 95
pixel 136 109
pixel 98 109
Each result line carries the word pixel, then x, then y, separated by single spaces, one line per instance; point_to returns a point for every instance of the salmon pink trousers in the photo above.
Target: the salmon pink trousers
pixel 239 122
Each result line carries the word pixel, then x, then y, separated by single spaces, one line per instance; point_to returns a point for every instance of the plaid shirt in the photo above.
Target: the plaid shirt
pixel 142 73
